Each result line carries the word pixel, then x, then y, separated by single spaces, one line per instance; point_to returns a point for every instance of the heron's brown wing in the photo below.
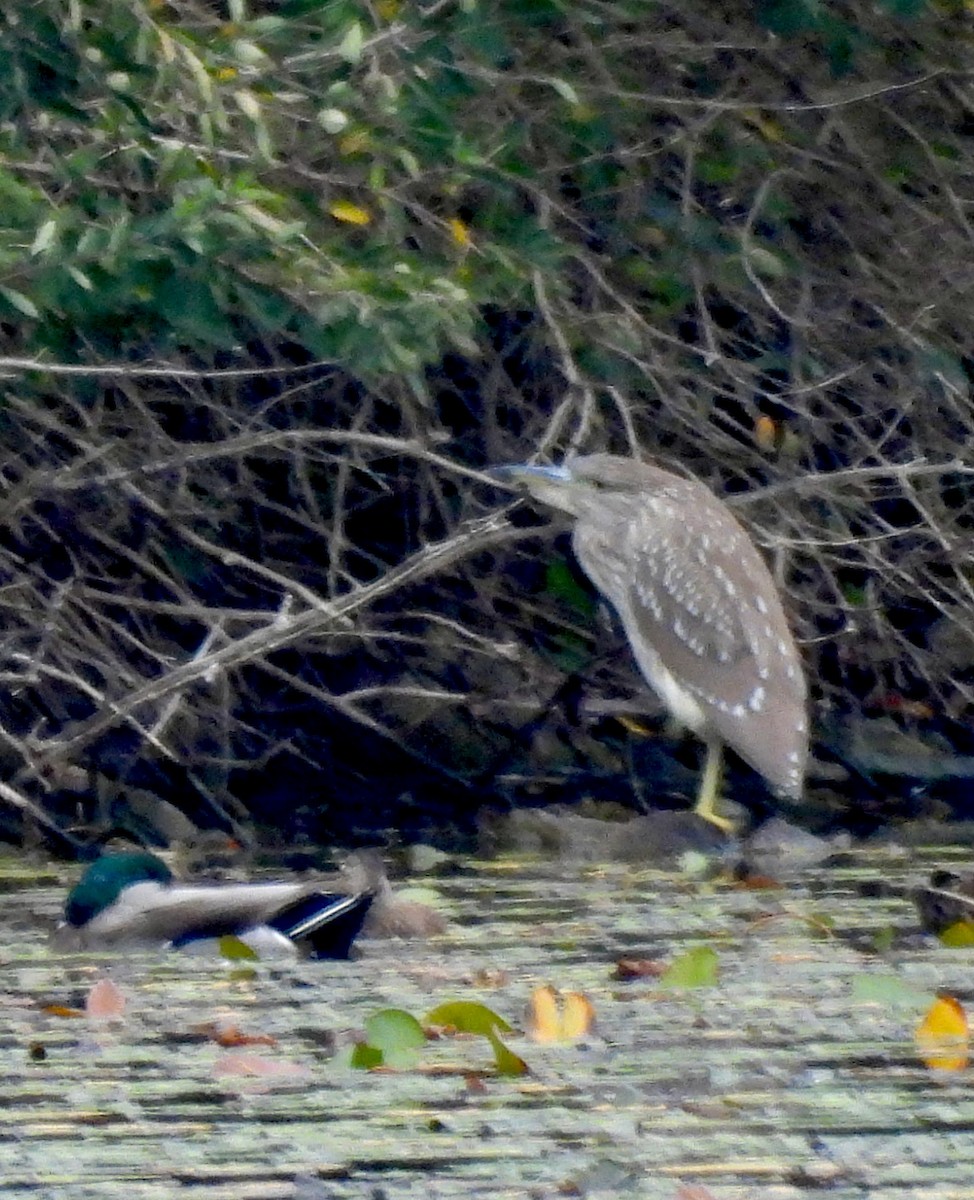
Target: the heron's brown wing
pixel 703 618
pixel 685 571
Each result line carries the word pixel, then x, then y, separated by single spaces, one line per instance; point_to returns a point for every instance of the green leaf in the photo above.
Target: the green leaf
pixel 23 304
pixel 81 279
pixel 467 1016
pixel 505 1060
pixel 189 304
pixel 396 1034
pixel 350 47
pixel 694 969
pixel 565 90
pixel 764 263
pixel 236 950
pixel 561 582
pixel 45 237
pixel 365 1057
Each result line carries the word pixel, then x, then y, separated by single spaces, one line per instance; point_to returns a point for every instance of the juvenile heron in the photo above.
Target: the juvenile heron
pixel 698 605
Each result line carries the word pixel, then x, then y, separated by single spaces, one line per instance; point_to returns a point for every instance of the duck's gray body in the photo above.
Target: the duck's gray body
pixel 130 899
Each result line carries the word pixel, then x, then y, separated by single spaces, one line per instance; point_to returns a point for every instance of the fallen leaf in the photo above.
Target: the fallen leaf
pixel 958 935
pixel 554 1018
pixel 638 968
pixel 105 1001
pixel 942 1037
pixel 466 1016
pixel 694 968
pixel 230 1036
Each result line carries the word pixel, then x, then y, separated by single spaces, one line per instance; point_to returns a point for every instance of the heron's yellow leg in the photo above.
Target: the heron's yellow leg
pixel 708 794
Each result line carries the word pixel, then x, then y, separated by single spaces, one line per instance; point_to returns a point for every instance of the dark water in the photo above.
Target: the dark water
pixel 787 1074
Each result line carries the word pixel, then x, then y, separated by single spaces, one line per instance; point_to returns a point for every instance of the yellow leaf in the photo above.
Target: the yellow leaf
pixel 354 143
pixel 388 10
pixel 222 74
pixel 578 1016
pixel 632 725
pixel 942 1037
pixel 544 1020
pixel 960 934
pixel 351 214
pixel 765 432
pixel 549 1020
pixel 461 233
pixel 770 130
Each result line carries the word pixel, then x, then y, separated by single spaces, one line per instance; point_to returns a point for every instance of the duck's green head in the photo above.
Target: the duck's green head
pixel 106 879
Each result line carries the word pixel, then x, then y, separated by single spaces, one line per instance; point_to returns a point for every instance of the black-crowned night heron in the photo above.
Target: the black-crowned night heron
pixel 698 606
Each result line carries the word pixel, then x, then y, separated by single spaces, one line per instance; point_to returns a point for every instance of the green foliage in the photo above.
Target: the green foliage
pixel 397 1035
pixel 560 581
pixel 467 1016
pixel 394 1037
pixel 696 968
pixel 193 168
pixel 623 225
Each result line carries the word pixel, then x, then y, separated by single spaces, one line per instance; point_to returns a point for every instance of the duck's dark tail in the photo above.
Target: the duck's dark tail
pixel 325 923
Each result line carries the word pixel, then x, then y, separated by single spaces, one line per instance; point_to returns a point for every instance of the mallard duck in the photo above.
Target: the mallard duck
pixel 133 898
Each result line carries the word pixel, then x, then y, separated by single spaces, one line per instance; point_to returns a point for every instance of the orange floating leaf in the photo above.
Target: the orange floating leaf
pixel 552 1018
pixel 105 1001
pixel 638 968
pixel 351 214
pixel 543 1019
pixel 62 1010
pixel 578 1016
pixel 942 1037
pixel 230 1036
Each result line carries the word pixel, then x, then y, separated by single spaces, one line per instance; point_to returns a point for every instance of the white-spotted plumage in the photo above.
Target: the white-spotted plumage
pixel 697 602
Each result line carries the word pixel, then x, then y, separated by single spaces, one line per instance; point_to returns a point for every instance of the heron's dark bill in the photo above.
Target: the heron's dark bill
pixel 515 473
